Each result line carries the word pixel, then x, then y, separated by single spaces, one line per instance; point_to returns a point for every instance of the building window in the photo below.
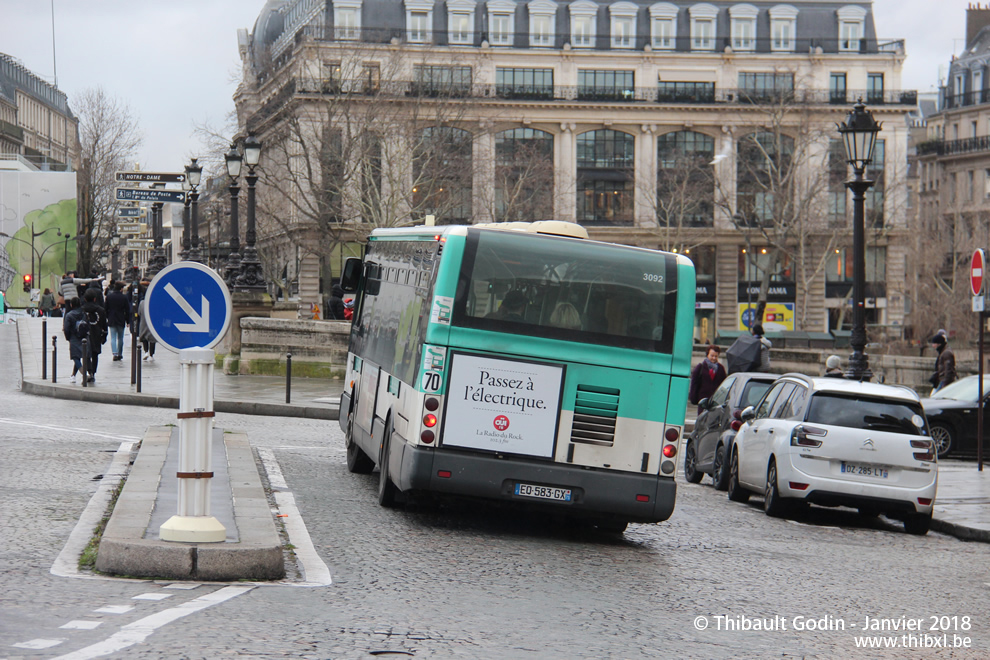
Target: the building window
pixel 347 19
pixel 524 83
pixel 583 13
pixel 743 19
pixel 838 169
pixel 605 177
pixel 876 194
pixel 419 21
pixel 460 22
pixel 501 22
pixel 623 24
pixel 524 174
pixel 765 87
pixel 685 92
pixel 851 20
pixel 783 24
pixel 442 174
pixel 703 26
pixel 605 85
pixel 840 265
pixel 663 26
pixel 874 88
pixel 762 160
pixel 439 80
pixel 685 185
pixel 970 186
pixel 542 19
pixel 837 88
pixel 978 86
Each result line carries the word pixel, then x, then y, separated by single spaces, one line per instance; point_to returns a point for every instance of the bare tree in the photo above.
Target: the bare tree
pixel 683 197
pixel 522 176
pixel 109 139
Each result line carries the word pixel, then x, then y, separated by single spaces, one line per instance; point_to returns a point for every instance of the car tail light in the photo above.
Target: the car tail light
pixel 806 436
pixel 429 420
pixel 796 485
pixel 443 474
pixel 670 451
pixel 427 436
pixel 924 501
pixel 735 425
pixel 642 498
pixel 928 446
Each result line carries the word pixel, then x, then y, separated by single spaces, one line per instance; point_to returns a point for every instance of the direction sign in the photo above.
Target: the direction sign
pixel 131 227
pixel 140 243
pixel 154 177
pixel 131 212
pixel 151 195
pixel 188 306
pixel 977 270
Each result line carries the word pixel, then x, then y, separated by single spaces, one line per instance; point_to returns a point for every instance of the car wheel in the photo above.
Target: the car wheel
pixel 736 492
pixel 773 504
pixel 918 523
pixel 357 461
pixel 720 469
pixel 691 472
pixel 942 436
pixel 387 492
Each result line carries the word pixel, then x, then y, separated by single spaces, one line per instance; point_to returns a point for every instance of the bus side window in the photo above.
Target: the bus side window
pixel 373 284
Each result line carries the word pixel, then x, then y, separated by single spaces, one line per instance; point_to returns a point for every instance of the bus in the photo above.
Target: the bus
pixel 519 362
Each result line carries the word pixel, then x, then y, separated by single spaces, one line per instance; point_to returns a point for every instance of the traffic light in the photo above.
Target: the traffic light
pixel 27 284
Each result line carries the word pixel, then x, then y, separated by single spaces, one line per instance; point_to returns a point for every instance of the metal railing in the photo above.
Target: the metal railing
pixel 953 147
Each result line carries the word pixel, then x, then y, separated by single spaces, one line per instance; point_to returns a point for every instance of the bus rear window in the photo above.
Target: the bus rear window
pixel 567 289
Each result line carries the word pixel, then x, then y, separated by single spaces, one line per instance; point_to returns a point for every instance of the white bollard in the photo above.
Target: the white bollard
pixel 193 522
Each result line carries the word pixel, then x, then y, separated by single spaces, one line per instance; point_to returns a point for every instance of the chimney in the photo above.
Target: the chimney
pixel 977 18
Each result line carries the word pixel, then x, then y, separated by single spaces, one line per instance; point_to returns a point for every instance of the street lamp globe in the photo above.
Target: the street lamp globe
pixel 194 173
pixel 252 151
pixel 859 136
pixel 233 159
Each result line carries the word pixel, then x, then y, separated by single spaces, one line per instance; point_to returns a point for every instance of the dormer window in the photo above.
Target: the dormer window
pixel 704 19
pixel 663 26
pixel 623 24
pixel 583 13
pixel 347 19
pixel 783 25
pixel 542 23
pixel 419 21
pixel 501 22
pixel 460 22
pixel 743 18
pixel 851 21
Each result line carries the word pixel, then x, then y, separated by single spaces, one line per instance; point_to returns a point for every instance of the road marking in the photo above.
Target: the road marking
pixel 37 644
pixel 81 625
pixel 115 609
pixel 183 585
pixel 67 562
pixel 152 596
pixel 66 429
pixel 315 572
pixel 140 630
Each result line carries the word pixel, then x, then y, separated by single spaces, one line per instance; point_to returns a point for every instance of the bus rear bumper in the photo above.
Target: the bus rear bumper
pixel 594 493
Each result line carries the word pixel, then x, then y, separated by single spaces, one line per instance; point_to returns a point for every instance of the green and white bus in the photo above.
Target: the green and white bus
pixel 519 362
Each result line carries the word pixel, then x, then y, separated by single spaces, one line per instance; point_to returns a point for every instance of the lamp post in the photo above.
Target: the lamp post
pixel 859 135
pixel 233 159
pixel 250 277
pixel 34 250
pixel 184 252
pixel 114 256
pixel 157 260
pixel 194 172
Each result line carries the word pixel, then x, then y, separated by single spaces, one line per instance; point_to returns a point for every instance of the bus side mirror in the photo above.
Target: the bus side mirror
pixel 351 276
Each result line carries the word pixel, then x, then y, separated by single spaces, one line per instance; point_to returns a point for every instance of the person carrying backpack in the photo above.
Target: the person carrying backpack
pixel 75 328
pixel 98 330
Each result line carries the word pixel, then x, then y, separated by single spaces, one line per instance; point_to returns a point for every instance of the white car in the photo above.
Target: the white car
pixel 836 442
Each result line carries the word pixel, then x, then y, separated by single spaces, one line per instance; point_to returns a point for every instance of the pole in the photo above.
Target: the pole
pixel 54 354
pixel 979 411
pixel 137 373
pixel 859 365
pixel 44 355
pixel 85 361
pixel 288 377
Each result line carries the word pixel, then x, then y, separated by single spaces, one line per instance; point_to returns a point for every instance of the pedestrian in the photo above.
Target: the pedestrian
pixel 47 302
pixel 833 367
pixel 945 363
pixel 706 376
pixel 335 303
pixel 69 286
pixel 98 330
pixel 75 329
pixel 145 335
pixel 118 309
pixel 96 286
pixel 765 346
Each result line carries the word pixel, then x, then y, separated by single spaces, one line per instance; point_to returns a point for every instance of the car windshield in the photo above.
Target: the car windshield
pixel 867 413
pixel 963 390
pixel 753 392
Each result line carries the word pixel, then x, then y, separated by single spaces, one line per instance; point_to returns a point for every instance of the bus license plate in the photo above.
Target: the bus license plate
pixel 863 470
pixel 544 492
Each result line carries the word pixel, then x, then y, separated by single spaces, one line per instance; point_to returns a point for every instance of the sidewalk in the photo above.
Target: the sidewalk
pixel 962 506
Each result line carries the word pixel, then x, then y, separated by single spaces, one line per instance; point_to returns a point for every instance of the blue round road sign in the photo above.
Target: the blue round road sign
pixel 188 306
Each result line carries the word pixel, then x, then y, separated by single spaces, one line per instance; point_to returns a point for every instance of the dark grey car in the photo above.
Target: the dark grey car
pixel 710 442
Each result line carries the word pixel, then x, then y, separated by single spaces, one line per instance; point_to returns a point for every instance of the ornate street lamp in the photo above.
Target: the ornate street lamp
pixel 859 135
pixel 194 173
pixel 184 252
pixel 157 260
pixel 250 277
pixel 233 159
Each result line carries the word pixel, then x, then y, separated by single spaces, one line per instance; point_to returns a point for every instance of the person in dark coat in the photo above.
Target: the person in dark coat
pixel 97 287
pixel 69 321
pixel 118 309
pixel 706 376
pixel 97 331
pixel 335 304
pixel 945 363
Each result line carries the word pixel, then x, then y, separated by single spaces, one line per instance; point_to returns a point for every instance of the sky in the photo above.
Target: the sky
pixel 175 64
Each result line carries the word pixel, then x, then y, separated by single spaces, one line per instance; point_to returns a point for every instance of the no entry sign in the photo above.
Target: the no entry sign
pixel 977 270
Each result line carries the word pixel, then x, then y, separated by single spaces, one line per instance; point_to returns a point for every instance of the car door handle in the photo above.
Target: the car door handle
pixel 770 431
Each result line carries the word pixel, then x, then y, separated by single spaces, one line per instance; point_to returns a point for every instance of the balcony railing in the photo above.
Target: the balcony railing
pixel 967 99
pixel 953 147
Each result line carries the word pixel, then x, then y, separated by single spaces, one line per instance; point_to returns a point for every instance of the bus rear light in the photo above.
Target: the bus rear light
pixel 794 485
pixel 642 498
pixel 670 451
pixel 431 404
pixel 427 437
pixel 430 420
pixel 443 474
pixel 924 501
pixel 671 435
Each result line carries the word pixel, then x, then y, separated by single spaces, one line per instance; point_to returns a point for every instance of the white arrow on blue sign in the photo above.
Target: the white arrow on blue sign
pixel 188 306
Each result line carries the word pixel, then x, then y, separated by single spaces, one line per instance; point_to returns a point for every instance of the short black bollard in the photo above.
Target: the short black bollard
pixel 54 355
pixel 137 371
pixel 288 377
pixel 85 361
pixel 44 355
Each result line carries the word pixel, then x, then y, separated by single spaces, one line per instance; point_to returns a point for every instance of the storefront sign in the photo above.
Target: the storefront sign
pixel 777 292
pixel 777 317
pixel 502 405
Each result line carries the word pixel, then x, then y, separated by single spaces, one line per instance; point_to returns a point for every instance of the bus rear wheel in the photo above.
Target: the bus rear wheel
pixel 387 492
pixel 357 461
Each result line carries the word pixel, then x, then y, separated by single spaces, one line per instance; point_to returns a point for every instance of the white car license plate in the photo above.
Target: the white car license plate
pixel 544 492
pixel 863 470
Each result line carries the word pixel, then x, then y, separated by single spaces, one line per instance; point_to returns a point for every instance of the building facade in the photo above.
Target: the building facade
pixel 701 127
